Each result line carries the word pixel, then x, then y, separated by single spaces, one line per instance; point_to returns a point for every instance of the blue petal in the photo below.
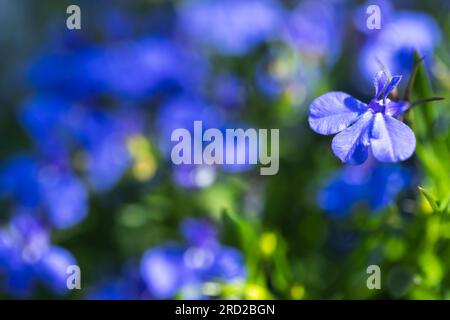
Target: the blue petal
pixel 334 111
pixel 52 268
pixel 380 81
pixel 392 85
pixel 351 144
pixel 343 191
pixel 162 269
pixel 67 201
pixel 20 282
pixel 388 180
pixel 18 179
pixel 229 265
pixel 199 233
pixel 391 139
pixel 397 108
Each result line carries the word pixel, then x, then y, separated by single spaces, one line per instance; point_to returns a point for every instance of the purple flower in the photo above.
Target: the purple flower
pixel 394 45
pixel 362 127
pixel 171 268
pixel 28 258
pixel 372 184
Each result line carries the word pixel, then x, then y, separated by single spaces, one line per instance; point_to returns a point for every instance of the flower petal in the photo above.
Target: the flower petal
pixel 334 111
pixel 397 108
pixel 391 139
pixel 351 144
pixel 391 86
pixel 380 81
pixel 162 270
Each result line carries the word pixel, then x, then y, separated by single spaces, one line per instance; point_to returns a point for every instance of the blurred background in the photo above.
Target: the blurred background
pixel 85 171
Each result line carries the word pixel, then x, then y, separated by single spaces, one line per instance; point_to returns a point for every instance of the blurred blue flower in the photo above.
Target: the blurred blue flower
pixel 394 45
pixel 172 269
pixel 232 27
pixel 361 127
pixel 134 69
pixel 103 139
pixel 48 186
pixel 45 118
pixel 60 129
pixel 27 257
pixel 372 184
pixel 314 29
pixel 199 233
pixel 181 112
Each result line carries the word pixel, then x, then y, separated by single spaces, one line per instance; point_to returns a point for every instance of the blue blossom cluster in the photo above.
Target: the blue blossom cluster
pixel 183 268
pixel 129 78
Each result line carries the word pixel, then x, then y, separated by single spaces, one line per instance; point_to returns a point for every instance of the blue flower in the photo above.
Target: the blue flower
pixel 171 268
pixel 103 137
pixel 313 28
pixel 199 233
pixel 372 184
pixel 181 112
pixel 394 45
pixel 60 128
pixel 45 185
pixel 133 70
pixel 232 27
pixel 28 258
pixel 363 127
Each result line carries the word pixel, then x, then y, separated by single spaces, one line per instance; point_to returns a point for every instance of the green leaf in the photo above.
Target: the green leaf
pixel 431 199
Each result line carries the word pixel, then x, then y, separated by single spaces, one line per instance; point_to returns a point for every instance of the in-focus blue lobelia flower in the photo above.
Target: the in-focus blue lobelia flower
pixel 172 269
pixel 394 45
pixel 45 186
pixel 232 27
pixel 371 184
pixel 364 127
pixel 27 257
